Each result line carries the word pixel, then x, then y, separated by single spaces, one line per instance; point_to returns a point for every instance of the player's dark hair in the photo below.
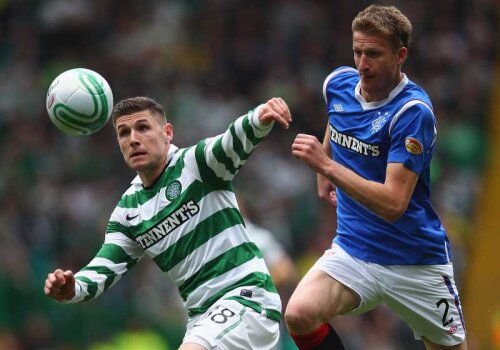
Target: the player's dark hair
pixel 386 20
pixel 137 104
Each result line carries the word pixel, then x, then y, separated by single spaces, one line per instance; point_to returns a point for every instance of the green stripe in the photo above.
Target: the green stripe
pixel 208 176
pixel 116 254
pixel 103 270
pixel 204 231
pixel 140 197
pixel 91 287
pixel 237 145
pixel 222 157
pixel 115 226
pixel 273 315
pixel 257 307
pixel 258 279
pixel 225 262
pixel 249 130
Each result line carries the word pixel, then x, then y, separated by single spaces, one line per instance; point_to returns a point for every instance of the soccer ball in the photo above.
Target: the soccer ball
pixel 79 101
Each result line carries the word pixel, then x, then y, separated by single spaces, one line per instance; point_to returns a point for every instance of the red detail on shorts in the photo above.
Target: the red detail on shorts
pixel 452 329
pixel 311 340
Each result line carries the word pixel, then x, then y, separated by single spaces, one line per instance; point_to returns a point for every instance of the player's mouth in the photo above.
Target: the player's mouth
pixel 136 154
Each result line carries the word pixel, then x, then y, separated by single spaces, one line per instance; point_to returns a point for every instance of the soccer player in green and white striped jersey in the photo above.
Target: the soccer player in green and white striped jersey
pixel 181 210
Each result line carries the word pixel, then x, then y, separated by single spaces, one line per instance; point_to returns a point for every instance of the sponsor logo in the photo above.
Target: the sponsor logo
pixel 185 212
pixel 352 143
pixel 173 190
pixel 379 122
pixel 452 329
pixel 128 217
pixel 338 108
pixel 413 145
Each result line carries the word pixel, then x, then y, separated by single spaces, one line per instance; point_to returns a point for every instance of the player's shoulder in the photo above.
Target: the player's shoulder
pixel 415 94
pixel 340 78
pixel 343 72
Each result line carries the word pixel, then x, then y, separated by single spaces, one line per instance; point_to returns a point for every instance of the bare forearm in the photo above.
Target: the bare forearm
pixel 380 198
pixel 388 200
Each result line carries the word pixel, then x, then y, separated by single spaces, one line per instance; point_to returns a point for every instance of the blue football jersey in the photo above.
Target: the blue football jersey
pixel 364 137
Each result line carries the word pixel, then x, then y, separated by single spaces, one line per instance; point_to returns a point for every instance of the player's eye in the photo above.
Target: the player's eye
pixel 123 132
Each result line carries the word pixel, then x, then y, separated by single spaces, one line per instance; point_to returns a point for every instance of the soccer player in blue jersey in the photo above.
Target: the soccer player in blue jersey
pixel 374 164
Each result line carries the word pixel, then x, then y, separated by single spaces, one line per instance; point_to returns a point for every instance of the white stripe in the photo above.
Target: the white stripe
pixel 119 269
pixel 215 285
pixel 403 109
pixel 218 167
pixel 130 246
pixel 96 278
pixel 333 74
pixel 216 246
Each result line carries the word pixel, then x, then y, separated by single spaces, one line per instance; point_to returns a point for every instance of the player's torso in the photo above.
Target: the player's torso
pixel 361 140
pixel 359 131
pixel 179 214
pixel 195 233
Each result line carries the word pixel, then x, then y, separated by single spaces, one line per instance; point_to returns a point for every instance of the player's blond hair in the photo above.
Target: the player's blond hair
pixel 386 20
pixel 139 104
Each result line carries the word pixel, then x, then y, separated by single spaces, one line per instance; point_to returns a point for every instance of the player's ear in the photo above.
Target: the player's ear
pixel 402 54
pixel 169 131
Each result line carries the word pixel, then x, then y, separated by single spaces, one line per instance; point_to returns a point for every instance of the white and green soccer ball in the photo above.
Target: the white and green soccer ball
pixel 79 101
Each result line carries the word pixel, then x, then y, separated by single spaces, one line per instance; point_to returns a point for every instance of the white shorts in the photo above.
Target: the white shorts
pixel 229 325
pixel 424 296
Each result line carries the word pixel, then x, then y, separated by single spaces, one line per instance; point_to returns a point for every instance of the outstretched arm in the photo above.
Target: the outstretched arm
pixel 389 200
pixel 226 153
pixel 60 285
pixel 116 257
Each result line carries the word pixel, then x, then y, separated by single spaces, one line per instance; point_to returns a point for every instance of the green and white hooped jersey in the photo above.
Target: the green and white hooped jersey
pixel 188 222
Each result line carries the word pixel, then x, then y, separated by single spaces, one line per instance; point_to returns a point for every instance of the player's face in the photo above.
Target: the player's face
pixel 378 64
pixel 144 143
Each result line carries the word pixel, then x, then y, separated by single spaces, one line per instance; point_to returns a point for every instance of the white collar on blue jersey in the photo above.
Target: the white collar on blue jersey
pixel 372 105
pixel 172 149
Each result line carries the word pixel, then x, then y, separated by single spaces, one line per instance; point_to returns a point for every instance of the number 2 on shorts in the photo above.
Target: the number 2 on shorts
pixel 445 314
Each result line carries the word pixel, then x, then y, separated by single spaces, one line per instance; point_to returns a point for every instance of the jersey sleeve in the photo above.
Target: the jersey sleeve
pixel 118 254
pixel 412 134
pixel 225 154
pixel 329 83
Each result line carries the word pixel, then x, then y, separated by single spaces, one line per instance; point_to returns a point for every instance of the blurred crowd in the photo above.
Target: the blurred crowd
pixel 207 62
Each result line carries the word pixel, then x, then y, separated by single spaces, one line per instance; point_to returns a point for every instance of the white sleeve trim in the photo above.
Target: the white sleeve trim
pixel 332 75
pixel 403 109
pixel 261 130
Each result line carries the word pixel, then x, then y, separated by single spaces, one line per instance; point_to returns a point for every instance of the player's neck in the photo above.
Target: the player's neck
pixel 381 94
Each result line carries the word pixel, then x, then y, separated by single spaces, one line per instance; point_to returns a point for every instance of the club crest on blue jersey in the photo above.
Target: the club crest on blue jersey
pixel 173 190
pixel 413 145
pixel 379 122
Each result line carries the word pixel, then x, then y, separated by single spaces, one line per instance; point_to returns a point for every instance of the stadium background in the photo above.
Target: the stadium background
pixel 209 62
